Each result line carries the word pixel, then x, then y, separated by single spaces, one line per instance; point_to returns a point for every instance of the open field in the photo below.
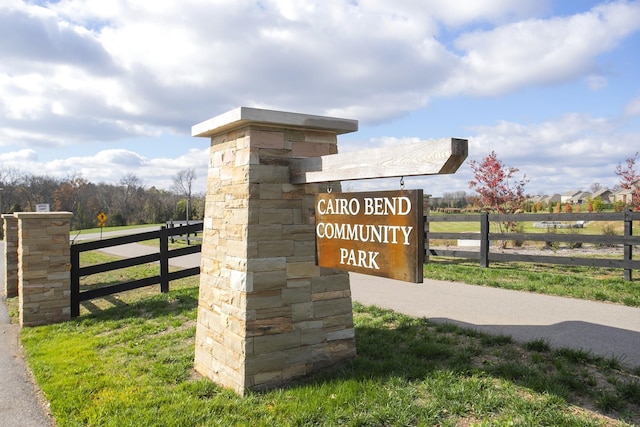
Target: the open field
pixel 595 227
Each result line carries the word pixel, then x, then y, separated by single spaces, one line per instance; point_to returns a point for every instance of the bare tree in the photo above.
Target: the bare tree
pixel 183 184
pixel 38 189
pixel 595 187
pixel 10 180
pixel 130 185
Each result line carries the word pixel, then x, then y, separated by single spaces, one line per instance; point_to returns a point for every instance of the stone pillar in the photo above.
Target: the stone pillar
pixel 44 278
pixel 10 230
pixel 266 313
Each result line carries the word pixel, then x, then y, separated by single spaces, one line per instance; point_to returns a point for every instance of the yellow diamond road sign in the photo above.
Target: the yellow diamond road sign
pixel 102 218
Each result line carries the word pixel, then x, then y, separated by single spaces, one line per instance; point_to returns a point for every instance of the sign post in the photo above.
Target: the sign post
pixel 102 221
pixel 377 233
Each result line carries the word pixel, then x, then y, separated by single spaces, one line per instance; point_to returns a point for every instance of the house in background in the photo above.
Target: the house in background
pixel 545 199
pixel 566 197
pixel 626 196
pixel 580 198
pixel 553 199
pixel 623 196
pixel 605 195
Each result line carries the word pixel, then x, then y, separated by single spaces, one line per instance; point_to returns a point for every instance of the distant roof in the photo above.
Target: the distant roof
pixel 601 192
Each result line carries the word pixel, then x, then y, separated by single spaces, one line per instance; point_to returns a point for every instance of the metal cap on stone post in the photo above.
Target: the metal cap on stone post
pixel 44 278
pixel 267 314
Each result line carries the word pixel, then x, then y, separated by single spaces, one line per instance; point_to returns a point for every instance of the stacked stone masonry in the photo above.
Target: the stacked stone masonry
pixel 10 233
pixel 267 314
pixel 43 256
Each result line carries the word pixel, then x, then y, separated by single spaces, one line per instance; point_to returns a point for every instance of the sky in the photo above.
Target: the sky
pixel 101 89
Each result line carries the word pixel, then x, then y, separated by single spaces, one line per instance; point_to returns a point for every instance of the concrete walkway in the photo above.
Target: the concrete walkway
pixel 21 404
pixel 602 328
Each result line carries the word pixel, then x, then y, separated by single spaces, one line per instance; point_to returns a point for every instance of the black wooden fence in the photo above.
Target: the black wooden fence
pixel 187 237
pixel 162 257
pixel 627 240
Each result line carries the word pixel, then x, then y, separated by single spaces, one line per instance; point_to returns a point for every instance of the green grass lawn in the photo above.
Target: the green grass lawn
pixel 130 363
pixel 591 283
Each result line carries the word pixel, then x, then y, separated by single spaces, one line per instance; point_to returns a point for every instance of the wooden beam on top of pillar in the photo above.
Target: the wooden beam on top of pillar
pixel 432 157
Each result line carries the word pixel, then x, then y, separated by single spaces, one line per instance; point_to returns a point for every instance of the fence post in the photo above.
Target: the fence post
pixel 425 210
pixel 164 260
pixel 75 281
pixel 170 225
pixel 484 239
pixel 628 247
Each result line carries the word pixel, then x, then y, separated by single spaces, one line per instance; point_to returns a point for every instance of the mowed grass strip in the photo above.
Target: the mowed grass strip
pixel 590 283
pixel 130 363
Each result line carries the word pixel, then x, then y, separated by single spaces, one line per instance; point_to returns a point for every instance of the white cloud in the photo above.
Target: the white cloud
pixel 18 157
pixel 166 64
pixel 574 150
pixel 456 13
pixel 94 71
pixel 539 51
pixel 633 107
pixel 111 165
pixel 567 152
pixel 596 82
pixel 158 63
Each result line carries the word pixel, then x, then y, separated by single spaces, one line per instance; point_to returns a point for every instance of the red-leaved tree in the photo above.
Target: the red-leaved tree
pixel 630 180
pixel 498 190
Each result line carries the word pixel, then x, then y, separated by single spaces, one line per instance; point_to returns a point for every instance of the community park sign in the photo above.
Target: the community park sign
pixel 377 233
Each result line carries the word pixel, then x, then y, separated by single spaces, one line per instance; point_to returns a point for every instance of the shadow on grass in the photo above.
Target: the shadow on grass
pixel 176 302
pixel 391 345
pixel 413 349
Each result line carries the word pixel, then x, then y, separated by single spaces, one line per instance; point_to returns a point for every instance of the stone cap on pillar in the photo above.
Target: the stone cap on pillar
pixel 243 116
pixel 36 215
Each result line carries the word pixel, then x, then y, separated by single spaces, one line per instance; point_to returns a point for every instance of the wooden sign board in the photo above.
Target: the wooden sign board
pixel 377 233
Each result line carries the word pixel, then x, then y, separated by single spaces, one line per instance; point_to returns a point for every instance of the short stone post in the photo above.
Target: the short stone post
pixel 44 278
pixel 266 313
pixel 10 229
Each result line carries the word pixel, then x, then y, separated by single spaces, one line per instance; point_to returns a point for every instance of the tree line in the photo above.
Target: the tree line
pixel 127 202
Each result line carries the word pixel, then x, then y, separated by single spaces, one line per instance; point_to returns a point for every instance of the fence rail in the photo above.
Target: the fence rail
pixel 162 257
pixel 185 235
pixel 484 255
